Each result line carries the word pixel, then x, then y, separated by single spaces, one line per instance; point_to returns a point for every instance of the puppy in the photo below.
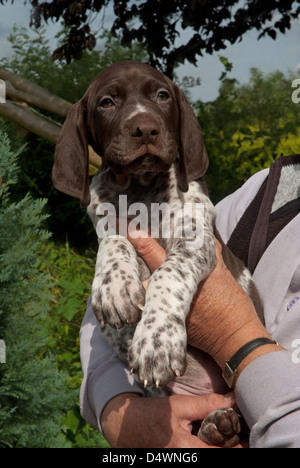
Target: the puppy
pixel 153 163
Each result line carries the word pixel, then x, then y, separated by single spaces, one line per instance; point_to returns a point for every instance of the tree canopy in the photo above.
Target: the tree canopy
pixel 211 25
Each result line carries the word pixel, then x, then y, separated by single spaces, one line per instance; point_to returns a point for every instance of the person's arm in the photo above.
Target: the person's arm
pixel 221 300
pixel 172 430
pixel 113 402
pixel 225 297
pixel 129 421
pixel 268 384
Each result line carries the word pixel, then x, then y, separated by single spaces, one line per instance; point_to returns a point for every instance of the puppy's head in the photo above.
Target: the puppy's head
pixel 135 118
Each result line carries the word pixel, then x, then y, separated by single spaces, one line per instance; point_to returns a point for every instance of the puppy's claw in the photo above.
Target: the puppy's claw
pixel 141 307
pixel 157 383
pixel 145 383
pixel 177 373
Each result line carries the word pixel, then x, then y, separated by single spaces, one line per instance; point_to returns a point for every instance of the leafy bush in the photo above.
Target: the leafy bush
pixel 247 127
pixel 71 276
pixel 32 390
pixel 44 287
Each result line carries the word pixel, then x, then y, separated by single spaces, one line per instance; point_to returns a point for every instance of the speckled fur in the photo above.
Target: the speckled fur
pixel 157 349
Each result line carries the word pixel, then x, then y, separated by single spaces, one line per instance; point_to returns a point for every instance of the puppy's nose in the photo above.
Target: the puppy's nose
pixel 144 127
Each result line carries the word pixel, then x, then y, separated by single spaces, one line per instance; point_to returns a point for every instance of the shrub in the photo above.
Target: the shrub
pixel 32 389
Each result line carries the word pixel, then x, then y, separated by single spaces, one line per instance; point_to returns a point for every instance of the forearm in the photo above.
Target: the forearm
pixel 130 421
pixel 232 334
pixel 268 395
pixel 115 418
pixel 223 319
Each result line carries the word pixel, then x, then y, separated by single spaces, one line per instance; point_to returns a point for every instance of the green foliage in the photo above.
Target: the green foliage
pixel 32 390
pixel 44 287
pixel 247 127
pixel 71 276
pixel 32 59
pixel 227 66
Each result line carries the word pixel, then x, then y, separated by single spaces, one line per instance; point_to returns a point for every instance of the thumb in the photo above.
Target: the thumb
pixel 148 248
pixel 201 406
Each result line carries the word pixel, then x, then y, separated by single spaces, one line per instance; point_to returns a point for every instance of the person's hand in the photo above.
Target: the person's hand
pixel 222 317
pixel 221 300
pixel 131 421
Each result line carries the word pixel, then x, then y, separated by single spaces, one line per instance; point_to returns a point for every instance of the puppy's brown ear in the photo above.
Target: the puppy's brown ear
pixel 70 172
pixel 193 161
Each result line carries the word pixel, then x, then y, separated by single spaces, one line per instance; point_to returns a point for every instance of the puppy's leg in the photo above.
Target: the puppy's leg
pixel 221 427
pixel 117 292
pixel 158 350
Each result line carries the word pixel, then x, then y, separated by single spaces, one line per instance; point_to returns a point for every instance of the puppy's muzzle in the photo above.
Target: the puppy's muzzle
pixel 144 129
pixel 147 163
pixel 145 147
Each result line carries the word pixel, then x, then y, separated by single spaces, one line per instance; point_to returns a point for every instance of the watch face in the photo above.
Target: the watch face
pixel 229 375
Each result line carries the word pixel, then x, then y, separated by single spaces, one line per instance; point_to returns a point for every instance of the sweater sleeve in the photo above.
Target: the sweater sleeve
pixel 268 396
pixel 104 374
pixel 268 389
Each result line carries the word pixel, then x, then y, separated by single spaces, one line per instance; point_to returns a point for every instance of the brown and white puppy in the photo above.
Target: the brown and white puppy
pixel 153 154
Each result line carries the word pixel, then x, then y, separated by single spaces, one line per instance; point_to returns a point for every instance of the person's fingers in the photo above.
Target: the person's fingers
pixel 200 406
pixel 148 248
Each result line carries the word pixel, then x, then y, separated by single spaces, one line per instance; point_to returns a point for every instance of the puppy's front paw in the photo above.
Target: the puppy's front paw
pixel 157 355
pixel 117 295
pixel 221 427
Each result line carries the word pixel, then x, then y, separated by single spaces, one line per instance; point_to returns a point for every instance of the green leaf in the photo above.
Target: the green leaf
pixel 70 308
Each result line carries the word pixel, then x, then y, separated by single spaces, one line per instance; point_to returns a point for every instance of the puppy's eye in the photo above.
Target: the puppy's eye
pixel 162 96
pixel 106 103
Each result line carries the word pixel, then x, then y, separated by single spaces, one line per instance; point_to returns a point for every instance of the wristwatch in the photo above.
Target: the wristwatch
pixel 231 367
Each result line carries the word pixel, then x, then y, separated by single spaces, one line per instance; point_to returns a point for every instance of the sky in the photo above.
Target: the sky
pixel 266 54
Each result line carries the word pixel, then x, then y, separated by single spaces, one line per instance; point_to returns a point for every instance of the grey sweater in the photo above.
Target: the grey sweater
pixel 268 390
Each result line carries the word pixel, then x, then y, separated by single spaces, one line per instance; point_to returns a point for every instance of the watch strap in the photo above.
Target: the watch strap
pixel 230 369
